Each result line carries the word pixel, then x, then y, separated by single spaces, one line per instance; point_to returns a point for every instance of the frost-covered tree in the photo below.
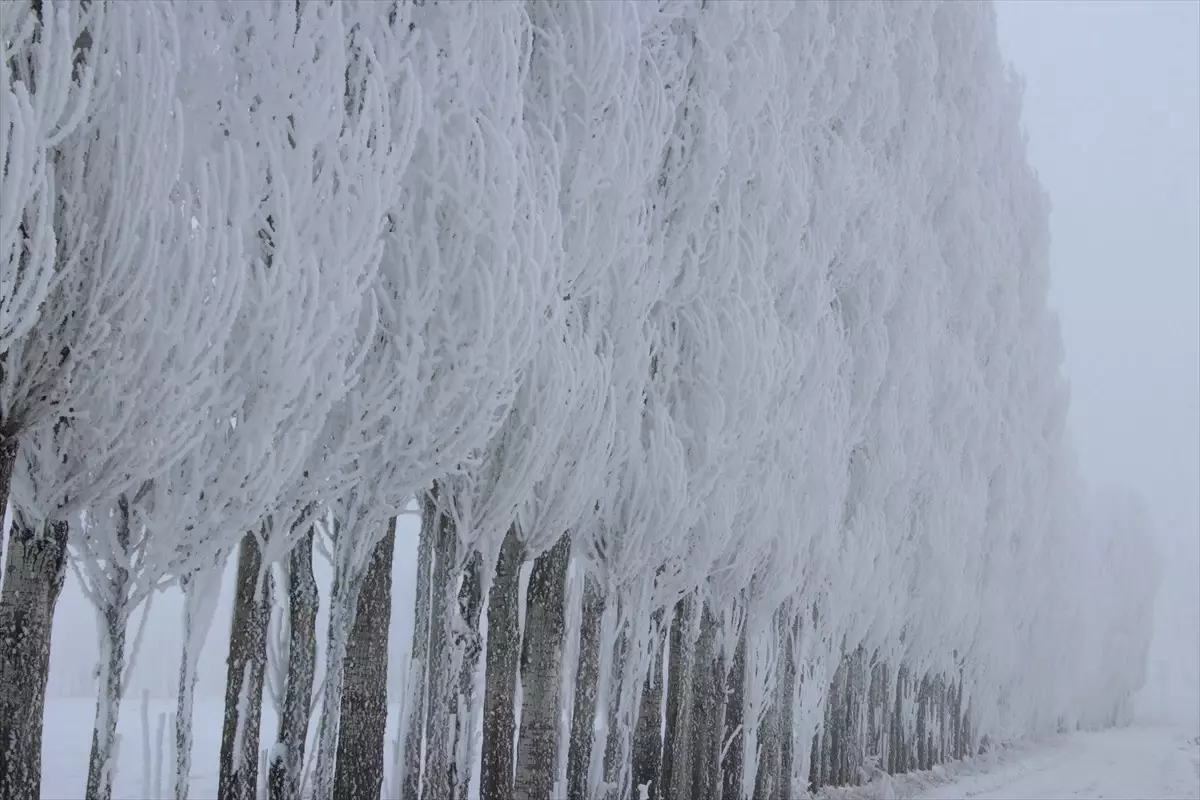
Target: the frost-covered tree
pixel 112 379
pixel 45 97
pixel 291 351
pixel 559 388
pixel 461 295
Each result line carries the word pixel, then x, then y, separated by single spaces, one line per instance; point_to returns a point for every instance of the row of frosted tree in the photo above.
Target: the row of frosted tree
pixel 710 339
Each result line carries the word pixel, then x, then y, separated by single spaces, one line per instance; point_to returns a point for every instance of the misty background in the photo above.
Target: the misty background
pixel 1112 110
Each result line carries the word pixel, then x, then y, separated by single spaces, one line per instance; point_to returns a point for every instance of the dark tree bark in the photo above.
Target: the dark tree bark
pixel 359 771
pixel 944 749
pixel 541 673
pixel 766 779
pixel 247 661
pixel 922 729
pixel 854 753
pixel 677 745
pixel 99 778
pixel 898 760
pixel 960 723
pixel 8 460
pixel 303 603
pixel 438 780
pixel 708 692
pixel 786 691
pixel 33 578
pixel 418 678
pixel 852 744
pixel 814 764
pixel 877 705
pixel 970 746
pixel 835 715
pixel 732 765
pixel 503 661
pixel 647 734
pixel 770 782
pixel 112 665
pixel 616 723
pixel 468 642
pixel 586 680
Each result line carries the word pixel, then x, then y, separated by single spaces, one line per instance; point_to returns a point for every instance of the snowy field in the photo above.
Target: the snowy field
pixel 1134 762
pixel 1140 761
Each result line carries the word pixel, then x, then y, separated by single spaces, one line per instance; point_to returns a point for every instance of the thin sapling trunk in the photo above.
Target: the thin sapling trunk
pixel 113 621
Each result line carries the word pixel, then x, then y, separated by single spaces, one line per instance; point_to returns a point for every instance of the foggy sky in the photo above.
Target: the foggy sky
pixel 1112 110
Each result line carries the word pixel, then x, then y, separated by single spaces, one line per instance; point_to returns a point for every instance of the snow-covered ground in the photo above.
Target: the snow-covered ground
pixel 1134 762
pixel 1142 761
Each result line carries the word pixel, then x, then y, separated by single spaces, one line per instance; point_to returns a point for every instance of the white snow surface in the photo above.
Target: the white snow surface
pixel 1139 761
pixel 1134 762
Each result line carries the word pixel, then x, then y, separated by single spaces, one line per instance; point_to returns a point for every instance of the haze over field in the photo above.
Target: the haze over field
pixel 1112 108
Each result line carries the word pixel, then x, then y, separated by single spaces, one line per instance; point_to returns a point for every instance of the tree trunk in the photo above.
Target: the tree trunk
pixel 468 644
pixel 677 775
pixel 854 752
pixel 303 603
pixel 831 758
pixel 8 460
pixel 732 765
pixel 359 770
pixel 814 763
pixel 893 759
pixel 503 660
pixel 877 709
pixel 200 588
pixel 851 758
pixel 541 673
pixel 786 692
pixel 112 666
pixel 647 733
pixel 418 676
pixel 767 779
pixel 960 747
pixel 966 735
pixel 108 705
pixel 438 778
pixel 349 573
pixel 247 661
pixel 922 743
pixel 184 705
pixel 583 714
pixel 613 764
pixel 944 749
pixel 33 578
pixel 897 759
pixel 705 726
